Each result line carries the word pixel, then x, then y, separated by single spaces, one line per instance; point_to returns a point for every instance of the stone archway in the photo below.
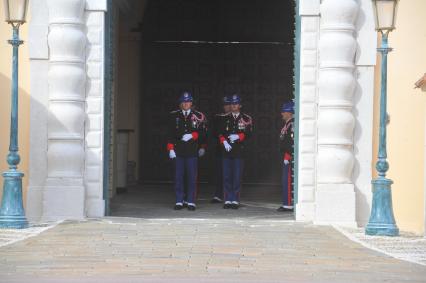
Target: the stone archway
pixel 66 167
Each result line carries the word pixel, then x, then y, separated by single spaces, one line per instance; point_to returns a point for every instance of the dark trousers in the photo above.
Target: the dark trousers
pixel 286 182
pixel 232 169
pixel 218 181
pixel 186 166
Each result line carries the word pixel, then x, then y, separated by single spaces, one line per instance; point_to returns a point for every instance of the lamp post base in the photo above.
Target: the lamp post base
pixel 377 229
pixel 12 215
pixel 382 221
pixel 13 222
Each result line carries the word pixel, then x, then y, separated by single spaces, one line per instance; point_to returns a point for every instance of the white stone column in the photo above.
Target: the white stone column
pixel 64 191
pixel 309 37
pixel 94 130
pixel 335 196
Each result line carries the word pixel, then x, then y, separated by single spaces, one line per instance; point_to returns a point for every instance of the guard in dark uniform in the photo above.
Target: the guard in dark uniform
pixel 236 128
pixel 216 122
pixel 185 128
pixel 286 149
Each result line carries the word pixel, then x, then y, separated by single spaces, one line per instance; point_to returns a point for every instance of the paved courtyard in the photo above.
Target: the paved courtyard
pixel 252 244
pixel 197 250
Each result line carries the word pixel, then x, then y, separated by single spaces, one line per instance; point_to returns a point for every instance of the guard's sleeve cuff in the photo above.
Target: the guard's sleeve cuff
pixel 287 156
pixel 194 136
pixel 170 146
pixel 221 139
pixel 242 136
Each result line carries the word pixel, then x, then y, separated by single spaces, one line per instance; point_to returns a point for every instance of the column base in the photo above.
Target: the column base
pixel 95 208
pixel 335 205
pixel 63 202
pixel 305 211
pixel 34 207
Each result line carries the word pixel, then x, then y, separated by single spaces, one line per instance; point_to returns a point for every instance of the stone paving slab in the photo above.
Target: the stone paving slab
pixel 197 250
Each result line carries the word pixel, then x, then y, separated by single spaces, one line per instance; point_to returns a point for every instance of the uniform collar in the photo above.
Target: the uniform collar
pixel 187 111
pixel 235 115
pixel 288 122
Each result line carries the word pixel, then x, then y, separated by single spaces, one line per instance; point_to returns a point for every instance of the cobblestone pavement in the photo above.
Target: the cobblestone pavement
pixel 197 250
pixel 147 241
pixel 407 246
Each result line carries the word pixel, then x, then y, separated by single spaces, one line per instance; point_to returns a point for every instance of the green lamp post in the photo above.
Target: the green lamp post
pixel 382 220
pixel 12 214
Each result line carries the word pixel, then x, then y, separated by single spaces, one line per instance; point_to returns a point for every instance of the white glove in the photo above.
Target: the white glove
pixel 201 152
pixel 233 137
pixel 186 137
pixel 286 162
pixel 227 146
pixel 172 154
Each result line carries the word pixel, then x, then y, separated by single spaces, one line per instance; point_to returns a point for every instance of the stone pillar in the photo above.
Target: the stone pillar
pixel 335 196
pixel 94 128
pixel 310 23
pixel 64 190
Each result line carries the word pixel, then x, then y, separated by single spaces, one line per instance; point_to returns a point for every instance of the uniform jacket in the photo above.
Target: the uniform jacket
pixel 178 125
pixel 242 126
pixel 214 127
pixel 287 139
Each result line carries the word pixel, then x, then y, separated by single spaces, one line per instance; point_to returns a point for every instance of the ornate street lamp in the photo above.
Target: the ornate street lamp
pixel 12 213
pixel 382 221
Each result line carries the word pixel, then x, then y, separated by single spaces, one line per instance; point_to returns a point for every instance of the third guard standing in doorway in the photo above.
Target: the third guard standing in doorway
pixel 235 129
pixel 186 127
pixel 286 149
pixel 216 122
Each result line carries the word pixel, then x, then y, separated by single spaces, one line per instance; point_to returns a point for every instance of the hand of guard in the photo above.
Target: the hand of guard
pixel 227 146
pixel 201 152
pixel 234 137
pixel 186 137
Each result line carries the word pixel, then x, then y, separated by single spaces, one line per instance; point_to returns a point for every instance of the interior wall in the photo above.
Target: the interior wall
pixel 128 86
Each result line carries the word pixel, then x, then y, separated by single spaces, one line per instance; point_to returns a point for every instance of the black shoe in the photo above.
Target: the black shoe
pixel 191 207
pixel 216 200
pixel 235 205
pixel 284 209
pixel 178 207
pixel 227 206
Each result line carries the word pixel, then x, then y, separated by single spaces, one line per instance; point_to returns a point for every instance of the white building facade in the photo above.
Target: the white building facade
pixel 335 110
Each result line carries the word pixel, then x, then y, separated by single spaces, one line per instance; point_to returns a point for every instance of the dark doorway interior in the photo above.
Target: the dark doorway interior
pixel 216 48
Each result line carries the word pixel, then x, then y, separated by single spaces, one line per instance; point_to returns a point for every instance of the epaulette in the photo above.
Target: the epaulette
pixel 174 111
pixel 248 116
pixel 200 114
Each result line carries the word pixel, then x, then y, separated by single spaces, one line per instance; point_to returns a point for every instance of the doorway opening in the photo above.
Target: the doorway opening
pixel 212 49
